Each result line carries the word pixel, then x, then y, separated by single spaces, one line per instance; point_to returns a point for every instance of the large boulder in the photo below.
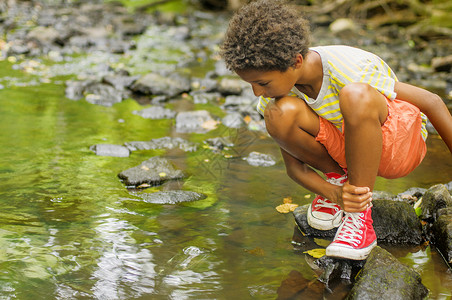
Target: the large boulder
pixel 435 198
pixel 384 277
pixel 442 232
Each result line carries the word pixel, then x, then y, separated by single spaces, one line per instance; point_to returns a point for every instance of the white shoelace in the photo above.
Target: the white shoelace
pixel 327 204
pixel 350 231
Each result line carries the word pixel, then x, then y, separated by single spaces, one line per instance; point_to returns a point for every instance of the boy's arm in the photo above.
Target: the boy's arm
pixel 431 105
pixel 350 198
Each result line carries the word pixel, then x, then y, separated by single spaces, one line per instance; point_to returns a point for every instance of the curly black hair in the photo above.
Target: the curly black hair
pixel 265 35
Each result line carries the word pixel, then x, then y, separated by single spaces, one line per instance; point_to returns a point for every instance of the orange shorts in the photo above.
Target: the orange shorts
pixel 403 145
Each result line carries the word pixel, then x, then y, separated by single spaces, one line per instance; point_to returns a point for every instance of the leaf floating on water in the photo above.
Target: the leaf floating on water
pixel 256 251
pixel 162 174
pixel 286 208
pixel 143 186
pixel 247 119
pixel 288 200
pixel 316 253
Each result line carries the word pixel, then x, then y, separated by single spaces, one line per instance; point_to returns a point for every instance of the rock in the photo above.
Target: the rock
pixel 442 64
pixel 296 286
pixel 442 232
pixel 203 97
pixel 236 103
pixel 257 159
pixel 170 197
pixel 43 35
pixel 155 112
pixel 162 143
pixel 102 94
pixel 153 171
pixel 120 82
pixel 384 277
pixel 74 89
pixel 342 25
pixel 110 150
pixel 394 222
pixel 435 198
pixel 231 86
pixel 156 84
pixel 233 120
pixel 194 121
pixel 218 144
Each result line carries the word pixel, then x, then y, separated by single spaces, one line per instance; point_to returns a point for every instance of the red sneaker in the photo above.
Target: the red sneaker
pixel 324 214
pixel 355 238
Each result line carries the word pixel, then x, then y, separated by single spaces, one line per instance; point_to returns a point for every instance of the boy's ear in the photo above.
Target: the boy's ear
pixel 298 60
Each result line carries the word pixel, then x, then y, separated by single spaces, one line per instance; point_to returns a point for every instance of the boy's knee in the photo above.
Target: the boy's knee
pixel 281 116
pixel 359 101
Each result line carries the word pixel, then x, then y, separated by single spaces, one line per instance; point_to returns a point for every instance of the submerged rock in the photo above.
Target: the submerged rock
pixel 156 112
pixel 110 150
pixel 153 171
pixel 384 277
pixel 156 84
pixel 257 159
pixel 394 222
pixel 162 143
pixel 170 197
pixel 102 94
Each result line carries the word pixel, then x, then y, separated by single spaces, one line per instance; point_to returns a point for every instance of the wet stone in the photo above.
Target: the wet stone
pixel 442 232
pixel 230 86
pixel 257 159
pixel 156 84
pixel 102 94
pixel 162 143
pixel 394 222
pixel 435 198
pixel 384 277
pixel 153 171
pixel 110 150
pixel 170 197
pixel 155 112
pixel 193 121
pixel 233 120
pixel 120 82
pixel 74 89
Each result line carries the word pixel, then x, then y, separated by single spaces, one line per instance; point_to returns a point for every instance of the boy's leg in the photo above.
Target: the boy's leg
pixel 364 110
pixel 294 126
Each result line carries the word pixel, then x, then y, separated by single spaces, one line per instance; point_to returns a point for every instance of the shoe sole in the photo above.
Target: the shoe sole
pixel 317 223
pixel 347 252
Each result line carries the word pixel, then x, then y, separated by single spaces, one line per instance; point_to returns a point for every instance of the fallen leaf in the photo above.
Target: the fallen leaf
pixel 143 186
pixel 286 207
pixel 287 200
pixel 247 119
pixel 316 253
pixel 307 196
pixel 210 124
pixel 145 168
pixel 162 174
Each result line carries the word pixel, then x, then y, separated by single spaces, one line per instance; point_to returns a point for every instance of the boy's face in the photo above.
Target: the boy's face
pixel 269 84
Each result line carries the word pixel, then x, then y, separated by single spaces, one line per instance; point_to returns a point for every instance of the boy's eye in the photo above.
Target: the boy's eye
pixel 263 83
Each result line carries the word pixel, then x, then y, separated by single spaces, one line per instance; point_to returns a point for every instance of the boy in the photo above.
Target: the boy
pixel 336 109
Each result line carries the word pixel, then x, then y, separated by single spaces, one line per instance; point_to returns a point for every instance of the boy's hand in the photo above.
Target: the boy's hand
pixel 354 198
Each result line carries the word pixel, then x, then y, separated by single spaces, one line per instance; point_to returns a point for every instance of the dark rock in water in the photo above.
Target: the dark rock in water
pixel 442 64
pixel 110 150
pixel 120 82
pixel 442 232
pixel 233 120
pixel 334 268
pixel 170 197
pixel 194 121
pixel 162 143
pixel 296 286
pixel 153 171
pixel 394 222
pixel 102 94
pixel 384 277
pixel 234 102
pixel 156 112
pixel 43 35
pixel 156 84
pixel 435 198
pixel 75 89
pixel 257 159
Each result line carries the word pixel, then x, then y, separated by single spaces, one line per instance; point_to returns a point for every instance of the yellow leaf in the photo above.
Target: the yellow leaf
pixel 247 119
pixel 145 168
pixel 210 124
pixel 307 196
pixel 286 208
pixel 287 200
pixel 316 253
pixel 162 174
pixel 143 186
